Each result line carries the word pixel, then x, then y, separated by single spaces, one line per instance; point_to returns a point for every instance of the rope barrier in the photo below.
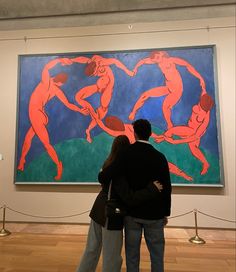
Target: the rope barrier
pixel 180 215
pixel 77 214
pixel 38 216
pixel 222 219
pixel 196 239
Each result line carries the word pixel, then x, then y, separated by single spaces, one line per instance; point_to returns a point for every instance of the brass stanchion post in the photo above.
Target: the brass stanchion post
pixel 3 231
pixel 196 239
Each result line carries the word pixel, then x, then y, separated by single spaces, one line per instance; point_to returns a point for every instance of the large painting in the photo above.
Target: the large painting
pixel 72 105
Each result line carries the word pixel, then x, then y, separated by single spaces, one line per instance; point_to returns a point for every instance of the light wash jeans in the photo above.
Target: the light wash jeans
pixel 110 242
pixel 154 237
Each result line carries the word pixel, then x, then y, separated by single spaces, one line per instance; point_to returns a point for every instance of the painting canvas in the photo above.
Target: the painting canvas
pixel 72 105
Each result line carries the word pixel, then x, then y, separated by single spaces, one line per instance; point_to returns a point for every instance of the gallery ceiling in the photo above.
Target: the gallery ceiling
pixel 17 14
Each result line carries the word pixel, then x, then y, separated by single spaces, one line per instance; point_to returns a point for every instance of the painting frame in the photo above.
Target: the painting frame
pixel 78 81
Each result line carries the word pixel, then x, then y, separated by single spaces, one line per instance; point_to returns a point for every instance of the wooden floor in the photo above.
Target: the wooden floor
pixel 58 248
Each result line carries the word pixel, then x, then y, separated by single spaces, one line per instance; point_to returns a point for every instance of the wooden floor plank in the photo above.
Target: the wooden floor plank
pixel 41 251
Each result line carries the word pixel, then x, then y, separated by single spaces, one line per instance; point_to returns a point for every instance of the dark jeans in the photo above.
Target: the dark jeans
pixel 154 237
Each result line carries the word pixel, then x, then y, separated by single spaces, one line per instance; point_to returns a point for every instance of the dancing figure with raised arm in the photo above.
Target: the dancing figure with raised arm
pixel 192 133
pixel 173 87
pixel 100 67
pixel 48 88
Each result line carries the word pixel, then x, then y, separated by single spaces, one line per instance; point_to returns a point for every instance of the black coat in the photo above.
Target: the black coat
pixel 120 187
pixel 144 164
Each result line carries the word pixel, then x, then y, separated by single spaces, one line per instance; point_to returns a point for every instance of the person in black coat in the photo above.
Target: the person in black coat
pixel 144 164
pixel 107 233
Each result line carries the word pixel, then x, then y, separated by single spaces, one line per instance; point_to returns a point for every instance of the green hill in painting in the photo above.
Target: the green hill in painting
pixel 82 162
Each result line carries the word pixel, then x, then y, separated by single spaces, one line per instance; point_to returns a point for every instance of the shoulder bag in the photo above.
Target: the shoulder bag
pixel 114 209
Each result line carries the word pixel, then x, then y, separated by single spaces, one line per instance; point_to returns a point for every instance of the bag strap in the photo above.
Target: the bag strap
pixel 109 191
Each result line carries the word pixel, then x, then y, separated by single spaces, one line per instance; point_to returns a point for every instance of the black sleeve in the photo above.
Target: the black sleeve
pixel 131 198
pixel 166 182
pixel 105 175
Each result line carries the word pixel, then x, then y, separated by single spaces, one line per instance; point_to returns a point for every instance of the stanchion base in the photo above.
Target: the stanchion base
pixel 4 232
pixel 196 240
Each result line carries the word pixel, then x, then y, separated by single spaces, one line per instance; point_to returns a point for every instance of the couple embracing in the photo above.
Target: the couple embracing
pixel 138 177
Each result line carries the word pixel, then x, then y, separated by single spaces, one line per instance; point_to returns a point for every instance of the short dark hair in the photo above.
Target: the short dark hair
pixel 142 128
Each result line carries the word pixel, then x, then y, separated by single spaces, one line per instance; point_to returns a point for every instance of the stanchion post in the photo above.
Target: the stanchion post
pixel 3 231
pixel 196 239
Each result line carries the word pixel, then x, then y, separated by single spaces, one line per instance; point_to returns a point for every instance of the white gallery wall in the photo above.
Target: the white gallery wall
pixel 61 200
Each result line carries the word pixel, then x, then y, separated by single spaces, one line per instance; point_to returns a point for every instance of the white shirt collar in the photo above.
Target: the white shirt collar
pixel 143 141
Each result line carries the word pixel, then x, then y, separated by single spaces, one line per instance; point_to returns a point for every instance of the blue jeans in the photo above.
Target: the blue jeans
pixel 109 242
pixel 154 237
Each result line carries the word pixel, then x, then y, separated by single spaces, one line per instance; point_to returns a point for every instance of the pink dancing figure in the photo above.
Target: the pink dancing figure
pixel 48 88
pixel 115 127
pixel 99 66
pixel 173 88
pixel 193 131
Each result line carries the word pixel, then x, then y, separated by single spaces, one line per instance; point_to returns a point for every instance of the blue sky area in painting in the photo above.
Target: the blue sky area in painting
pixel 65 124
